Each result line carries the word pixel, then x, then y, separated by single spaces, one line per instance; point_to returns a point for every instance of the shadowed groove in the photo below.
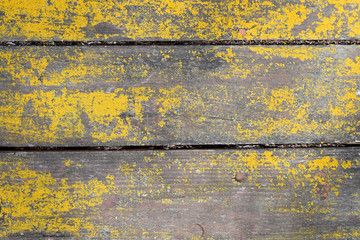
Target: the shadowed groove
pixel 182 42
pixel 176 147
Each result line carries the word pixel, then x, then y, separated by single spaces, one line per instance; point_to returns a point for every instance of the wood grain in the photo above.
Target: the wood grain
pixel 113 20
pixel 113 96
pixel 278 194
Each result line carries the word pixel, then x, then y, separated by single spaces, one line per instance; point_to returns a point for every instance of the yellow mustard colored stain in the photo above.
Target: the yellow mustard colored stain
pixel 44 66
pixel 182 19
pixel 35 201
pixel 301 184
pixel 80 99
pixel 296 107
pixel 281 169
pixel 58 116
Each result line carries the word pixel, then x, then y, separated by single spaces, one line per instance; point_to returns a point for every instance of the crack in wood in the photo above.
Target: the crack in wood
pixel 174 147
pixel 182 42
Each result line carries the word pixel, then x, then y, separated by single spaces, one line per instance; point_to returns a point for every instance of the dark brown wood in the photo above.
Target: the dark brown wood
pixel 282 194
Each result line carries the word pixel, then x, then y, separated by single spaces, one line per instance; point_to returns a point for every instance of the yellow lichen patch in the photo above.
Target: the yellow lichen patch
pixel 237 68
pixel 303 107
pixel 233 93
pixel 342 233
pixel 280 100
pixel 45 66
pixel 68 162
pixel 170 99
pixel 183 19
pixel 296 52
pixel 55 116
pixel 336 17
pixel 350 66
pixel 35 201
pixel 283 21
pixel 142 183
pixel 306 185
pixel 315 178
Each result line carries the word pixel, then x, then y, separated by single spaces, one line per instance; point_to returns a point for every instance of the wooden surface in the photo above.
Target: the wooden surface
pixel 186 194
pixel 169 95
pixel 64 102
pixel 178 20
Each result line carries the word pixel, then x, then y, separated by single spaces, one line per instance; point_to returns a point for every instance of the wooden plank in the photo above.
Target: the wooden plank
pixel 178 20
pixel 113 96
pixel 278 194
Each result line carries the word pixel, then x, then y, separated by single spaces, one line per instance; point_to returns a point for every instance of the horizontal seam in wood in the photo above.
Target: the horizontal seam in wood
pixel 176 147
pixel 181 42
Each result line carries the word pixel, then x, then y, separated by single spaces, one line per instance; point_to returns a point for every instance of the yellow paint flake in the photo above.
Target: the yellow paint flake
pixel 170 99
pixel 166 201
pixel 280 100
pixel 299 52
pixel 68 162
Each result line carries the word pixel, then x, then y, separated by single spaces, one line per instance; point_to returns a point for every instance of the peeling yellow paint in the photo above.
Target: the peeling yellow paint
pixel 256 165
pixel 31 203
pixel 184 19
pixel 53 109
pixel 284 102
pixel 37 201
pixel 59 116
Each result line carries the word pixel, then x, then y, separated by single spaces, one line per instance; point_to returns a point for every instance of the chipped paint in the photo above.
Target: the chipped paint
pixel 60 116
pixel 35 201
pixel 191 94
pixel 185 19
pixel 283 183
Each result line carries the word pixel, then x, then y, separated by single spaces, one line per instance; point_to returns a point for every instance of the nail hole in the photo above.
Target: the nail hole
pixel 240 177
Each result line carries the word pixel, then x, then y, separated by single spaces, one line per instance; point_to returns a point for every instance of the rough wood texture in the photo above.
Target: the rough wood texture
pixel 91 96
pixel 277 194
pixel 178 20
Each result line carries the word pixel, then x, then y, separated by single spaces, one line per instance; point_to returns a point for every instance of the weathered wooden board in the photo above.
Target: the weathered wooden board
pixel 280 194
pixel 178 20
pixel 98 96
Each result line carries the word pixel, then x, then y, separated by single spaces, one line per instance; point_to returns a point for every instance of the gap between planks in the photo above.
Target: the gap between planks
pixel 182 42
pixel 177 147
